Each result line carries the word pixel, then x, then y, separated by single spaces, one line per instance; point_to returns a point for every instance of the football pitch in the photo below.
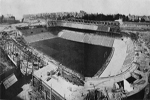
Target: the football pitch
pixel 83 58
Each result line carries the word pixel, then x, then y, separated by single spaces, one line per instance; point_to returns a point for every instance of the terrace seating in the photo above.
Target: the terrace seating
pixel 74 36
pixel 103 28
pixel 111 42
pixel 128 61
pixel 38 37
pixel 102 40
pixel 129 58
pixel 105 41
pixel 131 54
pixel 127 65
pixel 130 47
pixel 87 38
pixel 28 32
pixel 96 40
pixel 68 24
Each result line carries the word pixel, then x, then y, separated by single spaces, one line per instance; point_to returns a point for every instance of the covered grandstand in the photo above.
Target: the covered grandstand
pixel 105 26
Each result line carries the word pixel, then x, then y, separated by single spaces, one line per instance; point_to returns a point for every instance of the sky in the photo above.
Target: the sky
pixel 20 7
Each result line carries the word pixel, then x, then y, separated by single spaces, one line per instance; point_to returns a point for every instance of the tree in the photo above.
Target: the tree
pixel 2 18
pixel 142 20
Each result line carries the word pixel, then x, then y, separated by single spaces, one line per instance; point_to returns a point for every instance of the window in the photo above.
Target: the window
pixel 131 80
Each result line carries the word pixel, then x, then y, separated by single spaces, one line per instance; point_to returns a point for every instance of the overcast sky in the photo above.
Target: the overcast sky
pixel 20 7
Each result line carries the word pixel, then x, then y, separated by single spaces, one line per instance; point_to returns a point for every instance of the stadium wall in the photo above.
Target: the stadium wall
pixel 86 26
pixel 80 26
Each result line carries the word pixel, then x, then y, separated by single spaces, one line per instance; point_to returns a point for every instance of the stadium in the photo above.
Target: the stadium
pixel 78 62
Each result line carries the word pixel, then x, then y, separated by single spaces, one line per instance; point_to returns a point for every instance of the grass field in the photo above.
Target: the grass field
pixel 85 59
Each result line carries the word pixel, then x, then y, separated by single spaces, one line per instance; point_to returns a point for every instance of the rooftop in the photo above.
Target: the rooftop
pixel 60 85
